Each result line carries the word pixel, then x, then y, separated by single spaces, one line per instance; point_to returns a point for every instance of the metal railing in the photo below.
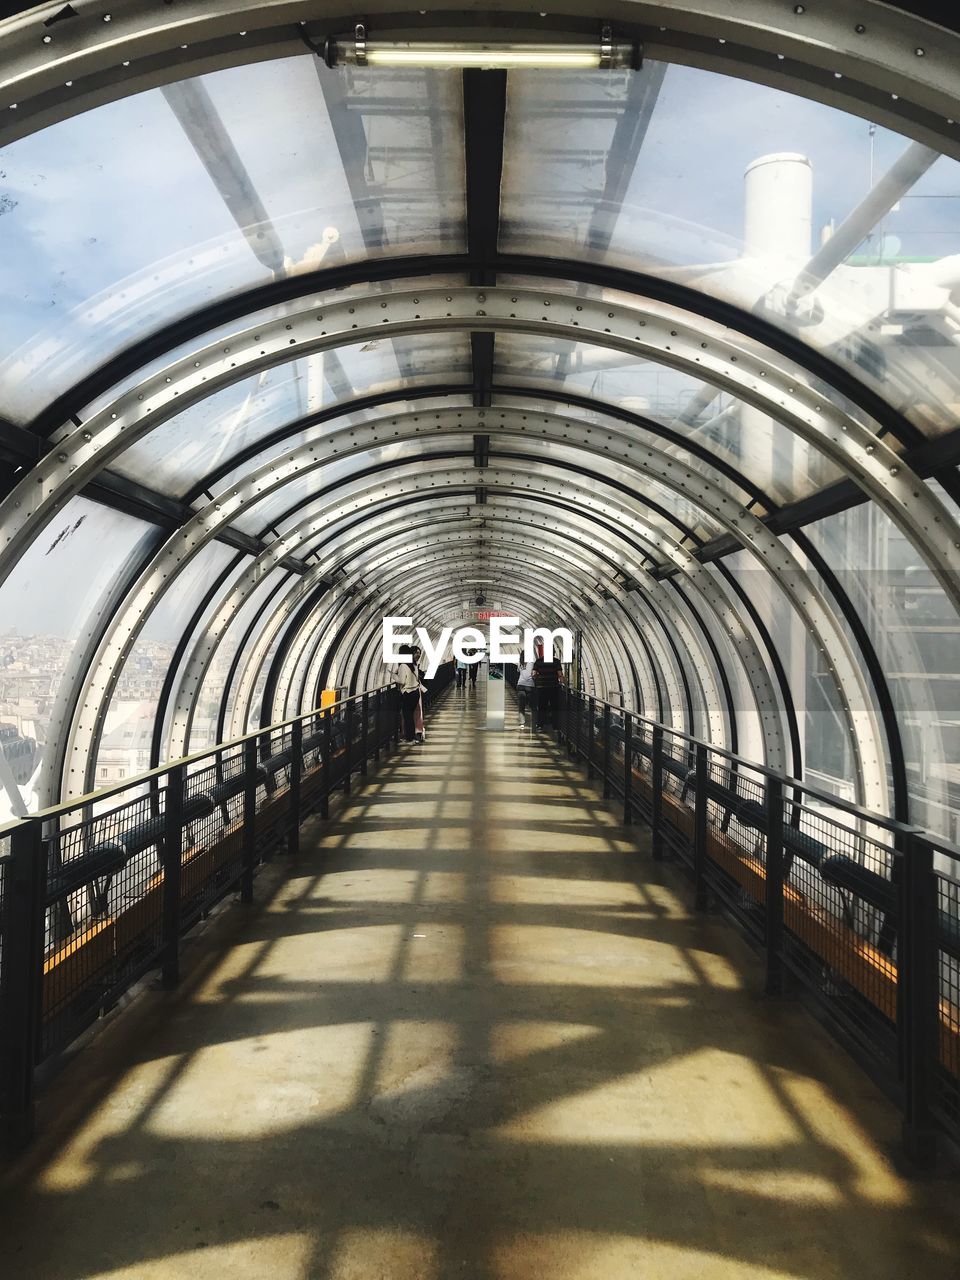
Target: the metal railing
pixel 96 892
pixel 850 907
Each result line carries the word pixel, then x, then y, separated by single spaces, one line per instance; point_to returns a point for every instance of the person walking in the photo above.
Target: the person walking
pixel 474 668
pixel 526 693
pixel 461 673
pixel 419 730
pixel 408 679
pixel 547 677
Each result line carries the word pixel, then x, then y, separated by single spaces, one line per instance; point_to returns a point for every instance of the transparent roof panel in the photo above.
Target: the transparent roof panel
pixel 267 170
pixel 763 450
pixel 321 483
pixel 179 453
pixel 663 507
pixel 65 578
pixel 914 627
pixel 731 188
pixel 310 434
pixel 628 431
pixel 225 333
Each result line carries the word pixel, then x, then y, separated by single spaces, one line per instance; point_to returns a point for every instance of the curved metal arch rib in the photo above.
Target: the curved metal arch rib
pixel 631 567
pixel 515 544
pixel 527 586
pixel 147 597
pixel 691 485
pixel 830 54
pixel 634 570
pixel 768 385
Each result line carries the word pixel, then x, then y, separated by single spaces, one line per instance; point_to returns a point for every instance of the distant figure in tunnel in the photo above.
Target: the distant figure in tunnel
pixel 474 668
pixel 419 728
pixel 526 693
pixel 408 678
pixel 547 679
pixel 461 674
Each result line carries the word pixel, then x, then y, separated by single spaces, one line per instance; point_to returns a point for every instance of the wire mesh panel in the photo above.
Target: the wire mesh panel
pixel 861 911
pixel 841 924
pixel 213 831
pixel 102 919
pixel 946 1099
pixel 736 853
pixel 4 886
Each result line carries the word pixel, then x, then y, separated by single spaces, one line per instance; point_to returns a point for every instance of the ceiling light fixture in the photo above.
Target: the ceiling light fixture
pixel 601 53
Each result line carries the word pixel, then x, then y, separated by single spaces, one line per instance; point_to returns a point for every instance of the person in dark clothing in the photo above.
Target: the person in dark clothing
pixel 474 668
pixel 547 678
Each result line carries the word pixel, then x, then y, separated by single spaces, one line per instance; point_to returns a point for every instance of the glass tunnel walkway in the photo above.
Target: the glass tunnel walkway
pixel 641 321
pixel 473 1029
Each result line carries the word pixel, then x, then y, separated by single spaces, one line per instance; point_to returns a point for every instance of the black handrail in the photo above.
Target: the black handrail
pixel 852 908
pixel 98 890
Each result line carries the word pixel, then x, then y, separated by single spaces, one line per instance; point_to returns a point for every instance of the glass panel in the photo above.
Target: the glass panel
pixel 47 608
pixel 631 432
pixel 128 728
pixel 336 473
pixel 264 168
pixel 221 587
pixel 916 632
pixel 178 454
pixel 824 739
pixel 730 188
pixel 225 333
pixel 763 450
pixel 257 609
pixel 678 518
pixel 289 443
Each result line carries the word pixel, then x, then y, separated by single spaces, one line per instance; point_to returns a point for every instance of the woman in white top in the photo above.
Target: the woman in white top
pixel 408 678
pixel 526 691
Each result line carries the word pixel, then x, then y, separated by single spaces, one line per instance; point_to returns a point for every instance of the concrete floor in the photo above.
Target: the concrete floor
pixel 475 1033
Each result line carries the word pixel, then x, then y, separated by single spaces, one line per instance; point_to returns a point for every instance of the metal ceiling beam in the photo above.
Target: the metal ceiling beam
pixel 936 459
pixel 870 68
pixel 484 120
pixel 203 125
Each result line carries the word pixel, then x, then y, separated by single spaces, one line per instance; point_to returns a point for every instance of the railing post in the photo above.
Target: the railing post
pixel 326 756
pixel 606 751
pixel 22 921
pixel 573 744
pixel 365 716
pixel 774 887
pixel 296 775
pixel 591 735
pixel 172 854
pixel 249 818
pixel 627 768
pixel 656 794
pixel 347 744
pixel 378 722
pixel 919 1005
pixel 700 829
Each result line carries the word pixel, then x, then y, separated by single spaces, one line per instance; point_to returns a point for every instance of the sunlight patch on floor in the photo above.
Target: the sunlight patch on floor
pixel 285 1256
pixel 582 1255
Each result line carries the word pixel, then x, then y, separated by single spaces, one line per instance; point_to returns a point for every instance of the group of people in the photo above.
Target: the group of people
pixel 538 687
pixel 465 669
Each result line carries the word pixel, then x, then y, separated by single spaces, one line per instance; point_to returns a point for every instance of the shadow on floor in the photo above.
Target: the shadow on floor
pixel 474 1033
